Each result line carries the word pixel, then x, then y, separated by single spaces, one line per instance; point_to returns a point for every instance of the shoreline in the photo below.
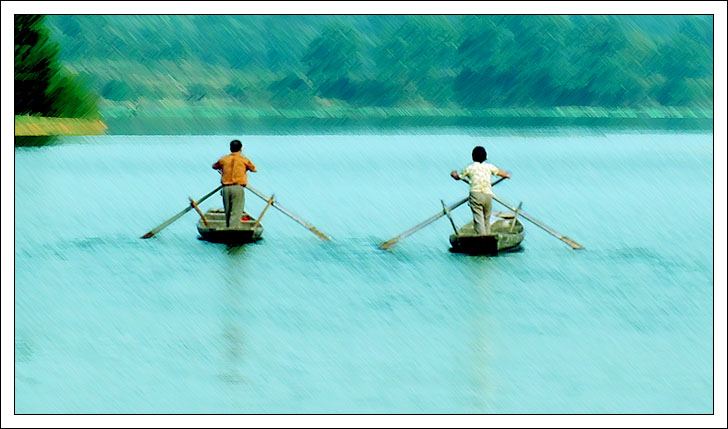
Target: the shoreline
pixel 204 120
pixel 41 126
pixel 234 125
pixel 215 120
pixel 220 110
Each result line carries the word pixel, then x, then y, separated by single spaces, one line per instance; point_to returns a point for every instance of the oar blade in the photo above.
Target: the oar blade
pixel 387 244
pixel 574 245
pixel 320 234
pixel 165 224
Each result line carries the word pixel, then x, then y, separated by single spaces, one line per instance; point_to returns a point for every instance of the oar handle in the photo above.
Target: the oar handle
pixel 498 180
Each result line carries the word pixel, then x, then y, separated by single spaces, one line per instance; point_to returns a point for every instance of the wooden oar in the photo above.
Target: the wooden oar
pixel 275 204
pixel 565 239
pixel 270 201
pixel 447 212
pixel 515 217
pixel 199 212
pixel 151 233
pixel 387 244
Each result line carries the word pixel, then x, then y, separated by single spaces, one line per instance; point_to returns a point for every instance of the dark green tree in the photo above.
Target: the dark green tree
pixel 686 64
pixel 605 66
pixel 42 87
pixel 292 91
pixel 332 59
pixel 415 55
pixel 71 98
pixel 236 89
pixel 118 90
pixel 36 65
pixel 196 92
pixel 485 75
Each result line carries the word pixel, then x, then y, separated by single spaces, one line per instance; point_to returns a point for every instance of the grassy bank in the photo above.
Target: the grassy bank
pixel 27 126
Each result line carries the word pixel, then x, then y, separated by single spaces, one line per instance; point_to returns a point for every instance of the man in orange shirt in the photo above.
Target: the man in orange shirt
pixel 234 169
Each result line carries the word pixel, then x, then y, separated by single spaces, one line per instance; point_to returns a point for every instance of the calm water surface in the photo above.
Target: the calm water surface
pixel 108 323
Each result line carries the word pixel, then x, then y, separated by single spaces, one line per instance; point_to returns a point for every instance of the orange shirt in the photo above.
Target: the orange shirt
pixel 234 169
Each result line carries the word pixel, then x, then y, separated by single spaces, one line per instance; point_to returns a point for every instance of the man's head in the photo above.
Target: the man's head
pixel 479 154
pixel 236 146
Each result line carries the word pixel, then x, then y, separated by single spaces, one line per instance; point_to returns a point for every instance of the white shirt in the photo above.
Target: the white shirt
pixel 479 175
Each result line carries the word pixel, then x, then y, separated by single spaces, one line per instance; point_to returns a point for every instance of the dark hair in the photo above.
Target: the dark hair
pixel 479 154
pixel 235 146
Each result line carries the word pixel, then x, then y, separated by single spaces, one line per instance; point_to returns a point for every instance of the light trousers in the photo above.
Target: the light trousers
pixel 480 204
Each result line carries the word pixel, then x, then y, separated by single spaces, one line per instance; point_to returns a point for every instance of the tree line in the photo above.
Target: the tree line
pixel 470 62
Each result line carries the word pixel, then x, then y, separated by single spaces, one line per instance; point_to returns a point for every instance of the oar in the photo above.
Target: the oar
pixel 395 240
pixel 270 201
pixel 447 212
pixel 151 233
pixel 275 204
pixel 515 217
pixel 519 212
pixel 199 212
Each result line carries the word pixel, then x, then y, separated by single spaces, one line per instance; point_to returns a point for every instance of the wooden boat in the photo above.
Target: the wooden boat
pixel 216 231
pixel 212 227
pixel 507 233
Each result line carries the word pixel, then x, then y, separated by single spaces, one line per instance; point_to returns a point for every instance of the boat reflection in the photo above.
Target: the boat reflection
pixel 232 308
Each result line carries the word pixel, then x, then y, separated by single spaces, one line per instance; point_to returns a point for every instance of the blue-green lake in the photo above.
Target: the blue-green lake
pixel 108 323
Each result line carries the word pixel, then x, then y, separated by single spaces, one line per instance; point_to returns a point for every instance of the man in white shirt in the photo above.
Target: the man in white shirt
pixel 478 174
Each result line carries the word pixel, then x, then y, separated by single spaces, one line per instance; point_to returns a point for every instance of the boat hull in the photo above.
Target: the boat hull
pixel 216 231
pixel 507 233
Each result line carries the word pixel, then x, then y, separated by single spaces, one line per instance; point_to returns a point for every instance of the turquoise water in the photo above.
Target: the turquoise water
pixel 108 323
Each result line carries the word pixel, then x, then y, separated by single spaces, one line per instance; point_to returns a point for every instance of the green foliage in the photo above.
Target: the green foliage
pixel 415 49
pixel 292 91
pixel 476 62
pixel 72 99
pixel 686 91
pixel 377 93
pixel 118 90
pixel 42 87
pixel 196 92
pixel 331 58
pixel 36 65
pixel 236 90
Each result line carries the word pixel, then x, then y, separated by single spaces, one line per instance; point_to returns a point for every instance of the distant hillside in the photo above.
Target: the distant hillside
pixel 473 62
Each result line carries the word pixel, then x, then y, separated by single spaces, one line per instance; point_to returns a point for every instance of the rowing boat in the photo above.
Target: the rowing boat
pixel 506 234
pixel 212 228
